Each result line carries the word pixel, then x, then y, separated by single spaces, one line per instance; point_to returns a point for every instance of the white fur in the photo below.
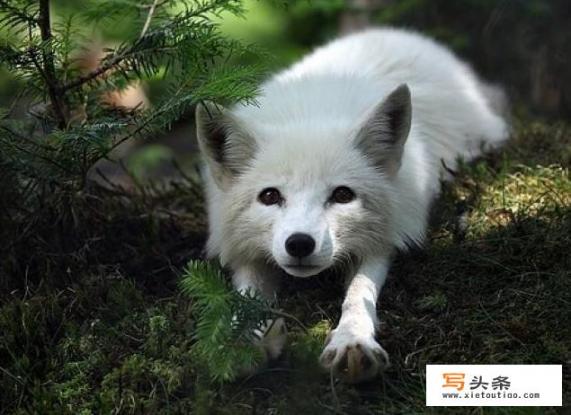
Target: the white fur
pixel 304 130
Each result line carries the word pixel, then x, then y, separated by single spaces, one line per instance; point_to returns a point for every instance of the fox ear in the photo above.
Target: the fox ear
pixel 384 133
pixel 226 147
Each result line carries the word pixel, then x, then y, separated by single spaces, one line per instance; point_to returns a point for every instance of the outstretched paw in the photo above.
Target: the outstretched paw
pixel 353 358
pixel 270 339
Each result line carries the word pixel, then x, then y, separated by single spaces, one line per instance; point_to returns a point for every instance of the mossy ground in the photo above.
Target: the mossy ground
pixel 105 329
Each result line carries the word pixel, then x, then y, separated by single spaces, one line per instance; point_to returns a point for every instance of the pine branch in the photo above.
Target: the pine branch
pixel 226 321
pixel 49 67
pixel 149 18
pixel 96 73
pixel 188 28
pixel 14 16
pixel 187 48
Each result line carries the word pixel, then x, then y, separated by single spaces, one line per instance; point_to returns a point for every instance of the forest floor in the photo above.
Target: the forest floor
pixel 105 329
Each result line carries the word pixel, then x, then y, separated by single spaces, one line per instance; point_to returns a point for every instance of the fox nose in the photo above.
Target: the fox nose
pixel 300 245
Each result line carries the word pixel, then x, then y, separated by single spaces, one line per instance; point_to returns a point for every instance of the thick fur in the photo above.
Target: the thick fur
pixel 380 112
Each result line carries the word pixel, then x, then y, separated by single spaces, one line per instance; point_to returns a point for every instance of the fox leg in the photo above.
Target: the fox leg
pixel 351 351
pixel 259 278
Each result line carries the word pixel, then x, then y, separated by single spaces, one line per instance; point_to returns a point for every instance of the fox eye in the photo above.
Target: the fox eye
pixel 270 196
pixel 342 194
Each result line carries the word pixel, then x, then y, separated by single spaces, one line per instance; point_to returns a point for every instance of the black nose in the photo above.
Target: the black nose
pixel 300 245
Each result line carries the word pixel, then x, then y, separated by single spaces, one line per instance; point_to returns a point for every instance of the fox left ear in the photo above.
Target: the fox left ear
pixel 383 135
pixel 225 145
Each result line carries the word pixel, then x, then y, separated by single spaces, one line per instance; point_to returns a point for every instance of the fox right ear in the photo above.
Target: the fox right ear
pixel 226 147
pixel 384 133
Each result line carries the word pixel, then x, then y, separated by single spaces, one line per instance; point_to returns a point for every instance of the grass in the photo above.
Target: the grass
pixel 104 329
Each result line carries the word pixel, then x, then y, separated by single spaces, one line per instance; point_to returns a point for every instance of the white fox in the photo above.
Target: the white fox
pixel 336 167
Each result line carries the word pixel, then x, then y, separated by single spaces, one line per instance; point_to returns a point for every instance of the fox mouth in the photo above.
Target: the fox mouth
pixel 302 270
pixel 302 267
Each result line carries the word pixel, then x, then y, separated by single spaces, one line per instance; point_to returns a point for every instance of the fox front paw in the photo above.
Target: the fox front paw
pixel 353 358
pixel 270 339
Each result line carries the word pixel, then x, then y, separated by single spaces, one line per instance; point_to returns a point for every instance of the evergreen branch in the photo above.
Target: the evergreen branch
pixel 37 155
pixel 149 18
pixel 25 138
pixel 139 129
pixel 48 60
pixel 15 15
pixel 110 64
pixel 226 321
pixel 187 29
pixel 39 163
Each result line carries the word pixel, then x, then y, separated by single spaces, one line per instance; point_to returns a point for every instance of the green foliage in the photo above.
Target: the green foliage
pixel 58 126
pixel 71 130
pixel 226 321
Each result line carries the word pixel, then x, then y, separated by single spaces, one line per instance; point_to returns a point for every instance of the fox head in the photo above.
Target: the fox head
pixel 303 195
